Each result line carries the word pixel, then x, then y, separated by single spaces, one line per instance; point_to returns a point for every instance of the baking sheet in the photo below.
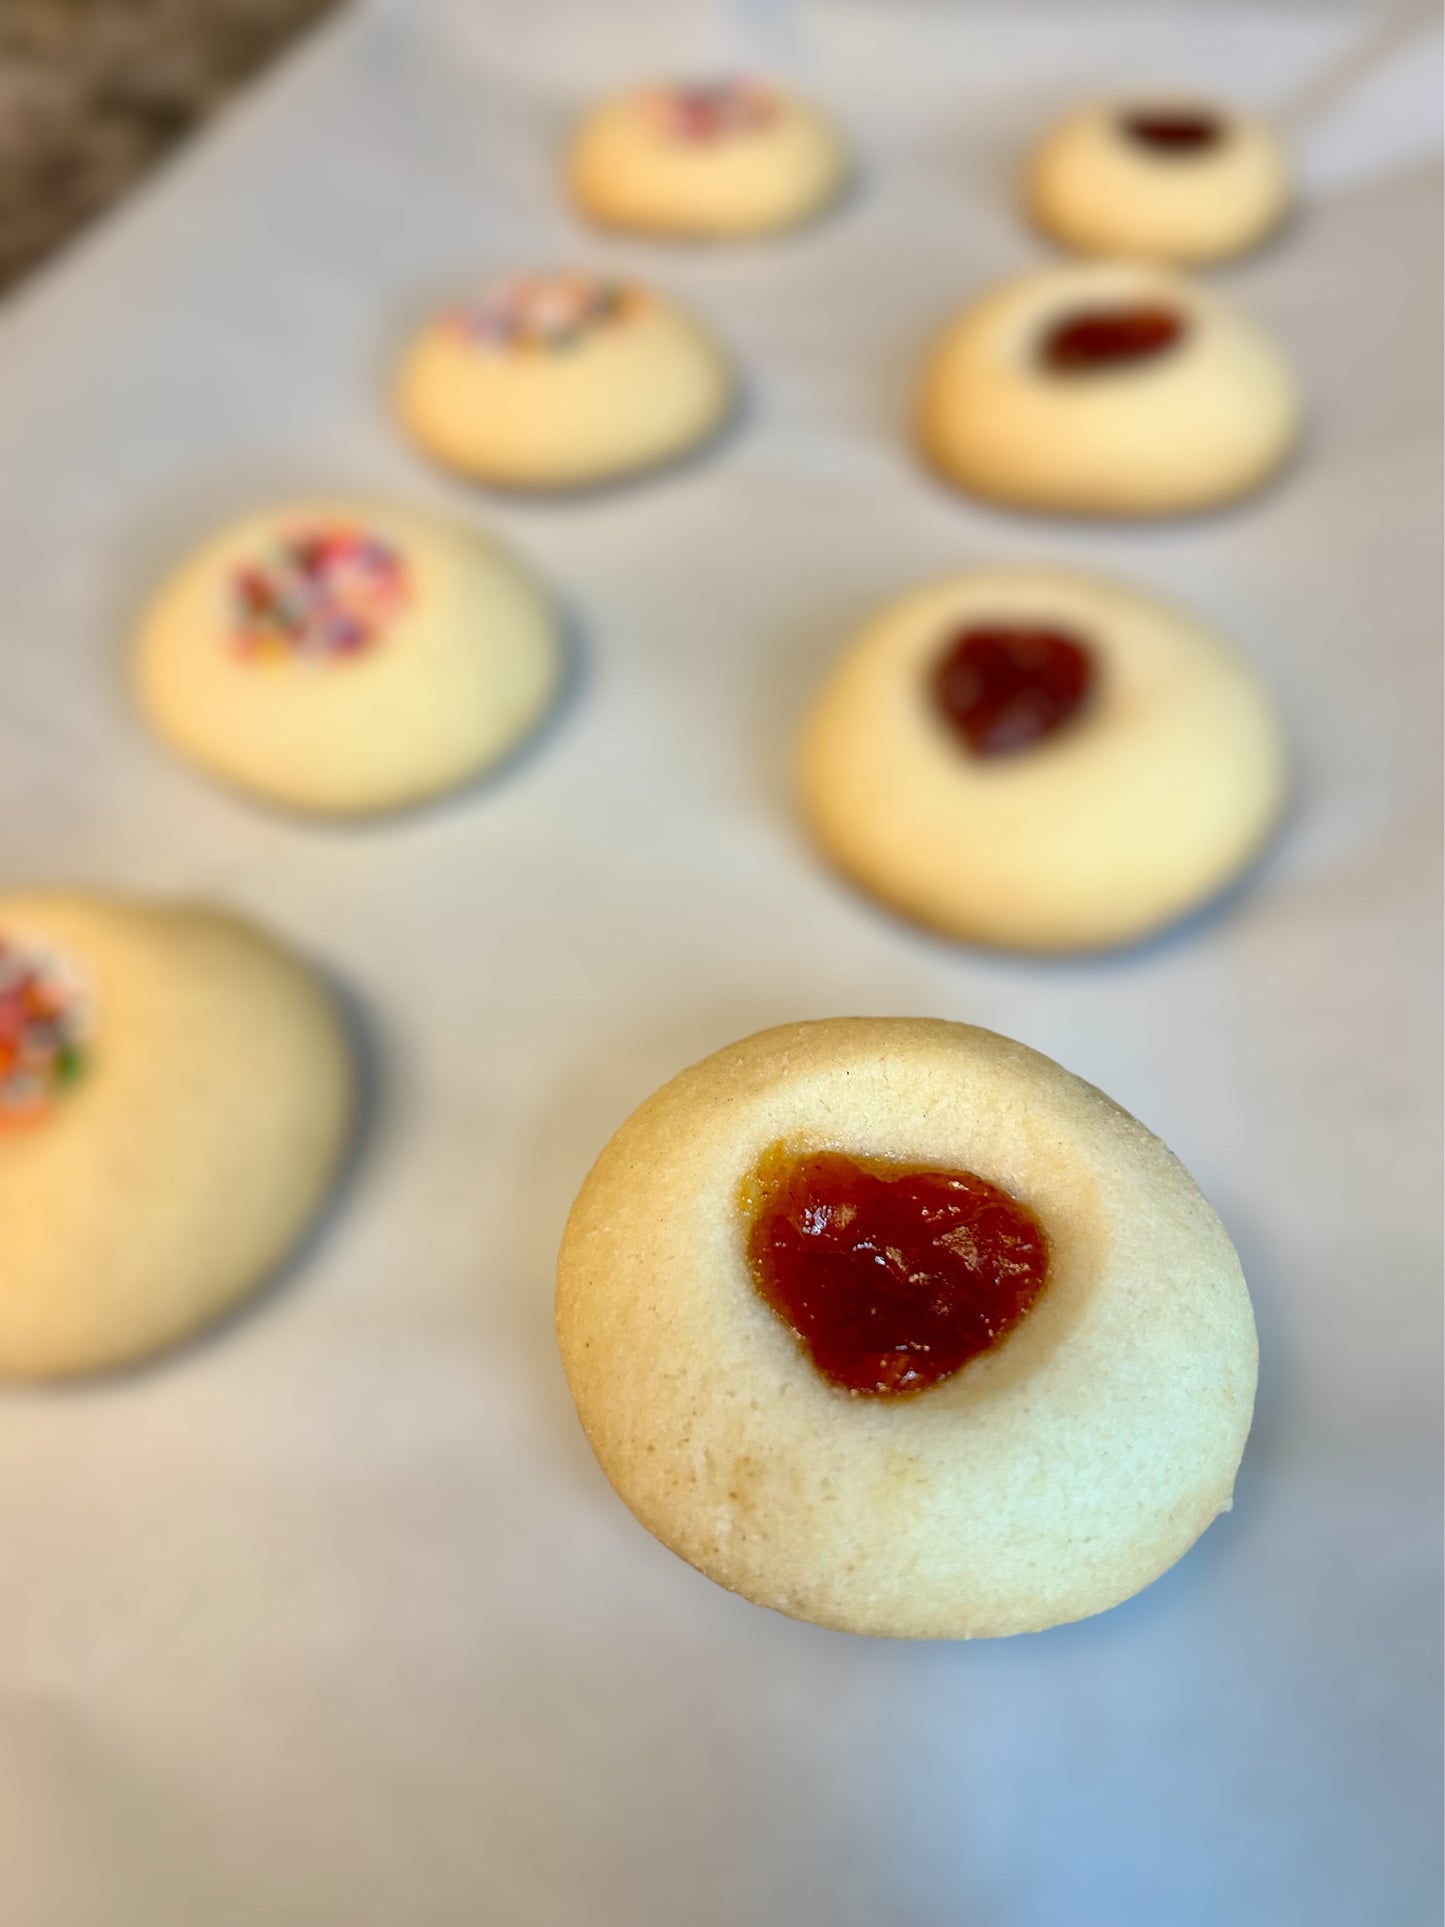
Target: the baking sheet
pixel 332 1620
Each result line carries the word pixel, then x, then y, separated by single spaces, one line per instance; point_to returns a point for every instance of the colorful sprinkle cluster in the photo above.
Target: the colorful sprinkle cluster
pixel 44 1025
pixel 716 110
pixel 546 313
pixel 324 594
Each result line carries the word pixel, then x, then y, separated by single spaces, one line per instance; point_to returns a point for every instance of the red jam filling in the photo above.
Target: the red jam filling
pixel 1105 338
pixel 43 1031
pixel 891 1276
pixel 1183 131
pixel 1006 686
pixel 327 594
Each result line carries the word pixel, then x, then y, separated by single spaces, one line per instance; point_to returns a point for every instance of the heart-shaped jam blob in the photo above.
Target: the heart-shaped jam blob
pixel 1180 130
pixel 1107 338
pixel 891 1276
pixel 1006 686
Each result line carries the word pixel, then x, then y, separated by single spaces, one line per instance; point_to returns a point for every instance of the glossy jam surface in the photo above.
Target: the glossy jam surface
pixel 891 1276
pixel 1178 130
pixel 1006 686
pixel 1096 339
pixel 44 1028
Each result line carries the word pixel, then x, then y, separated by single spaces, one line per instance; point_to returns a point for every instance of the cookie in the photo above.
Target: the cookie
pixel 1159 180
pixel 715 161
pixel 345 657
pixel 896 1326
pixel 1040 760
pixel 561 381
pixel 1106 389
pixel 175 1099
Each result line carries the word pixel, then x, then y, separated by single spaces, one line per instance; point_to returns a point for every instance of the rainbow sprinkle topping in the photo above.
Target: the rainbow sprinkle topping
pixel 324 594
pixel 44 1028
pixel 714 110
pixel 550 313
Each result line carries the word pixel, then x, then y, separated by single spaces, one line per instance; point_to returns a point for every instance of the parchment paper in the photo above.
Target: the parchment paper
pixel 331 1619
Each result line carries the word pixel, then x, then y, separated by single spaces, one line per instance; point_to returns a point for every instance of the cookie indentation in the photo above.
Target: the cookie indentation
pixel 326 595
pixel 44 1031
pixel 1177 131
pixel 1006 686
pixel 707 112
pixel 1098 339
pixel 891 1276
pixel 542 313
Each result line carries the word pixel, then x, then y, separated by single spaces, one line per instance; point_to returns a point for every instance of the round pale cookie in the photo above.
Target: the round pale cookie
pixel 716 161
pixel 560 381
pixel 1106 389
pixel 1041 760
pixel 346 657
pixel 1159 180
pixel 1060 1469
pixel 175 1099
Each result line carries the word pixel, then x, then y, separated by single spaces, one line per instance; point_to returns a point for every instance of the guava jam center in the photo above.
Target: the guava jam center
pixel 891 1276
pixel 1179 130
pixel 1108 338
pixel 1006 686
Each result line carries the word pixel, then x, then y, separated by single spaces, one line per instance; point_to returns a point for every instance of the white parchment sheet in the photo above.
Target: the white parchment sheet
pixel 331 1621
